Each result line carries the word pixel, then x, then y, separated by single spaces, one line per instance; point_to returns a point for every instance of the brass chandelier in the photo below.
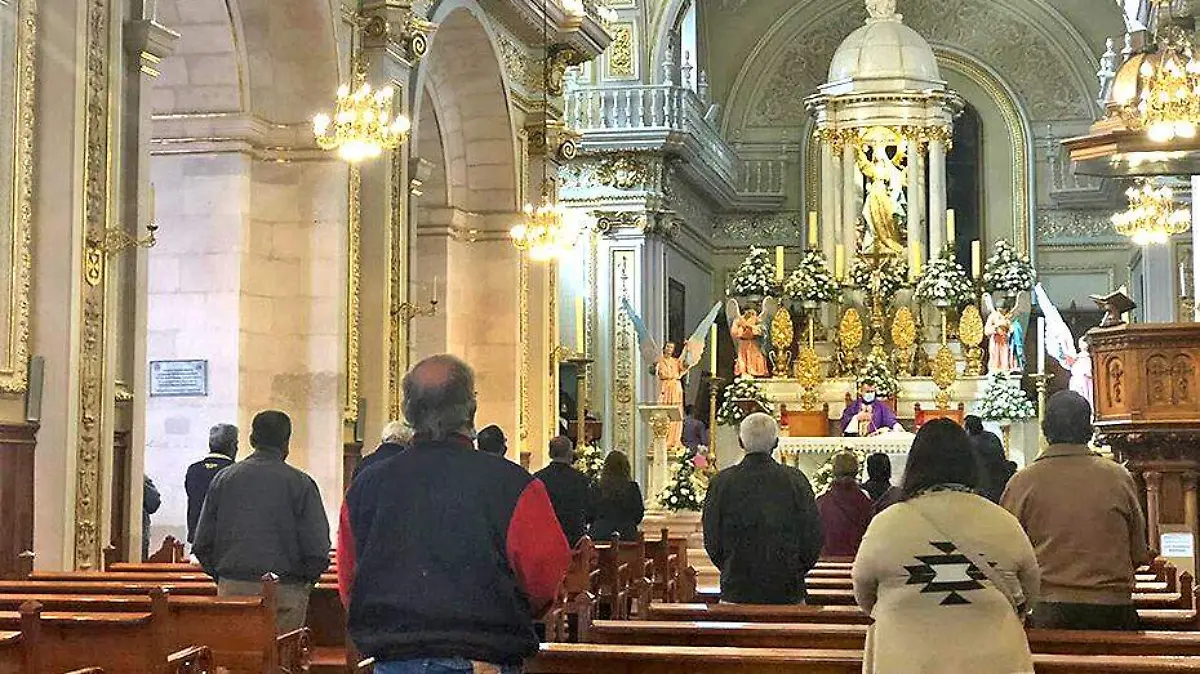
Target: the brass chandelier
pixel 1152 217
pixel 547 231
pixel 1169 105
pixel 362 125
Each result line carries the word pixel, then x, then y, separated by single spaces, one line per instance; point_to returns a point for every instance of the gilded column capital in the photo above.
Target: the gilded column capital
pixel 392 22
pixel 554 137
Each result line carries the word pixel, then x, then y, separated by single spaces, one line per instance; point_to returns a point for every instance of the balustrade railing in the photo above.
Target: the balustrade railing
pixel 671 109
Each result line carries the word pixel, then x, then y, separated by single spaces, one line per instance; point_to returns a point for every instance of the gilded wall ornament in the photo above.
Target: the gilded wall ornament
pixel 904 336
pixel 945 372
pixel 350 408
pixel 623 172
pixel 1076 227
pixel 620 59
pixel 970 333
pixel 783 334
pixel 523 70
pixel 624 377
pixel 398 281
pixel 561 58
pixel 744 229
pixel 610 221
pixel 808 372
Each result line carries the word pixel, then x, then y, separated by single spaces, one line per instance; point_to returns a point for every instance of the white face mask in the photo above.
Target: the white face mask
pixel 869 398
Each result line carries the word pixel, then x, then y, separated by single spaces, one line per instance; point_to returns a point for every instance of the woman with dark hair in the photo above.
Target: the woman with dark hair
pixel 617 501
pixel 879 481
pixel 996 469
pixel 947 562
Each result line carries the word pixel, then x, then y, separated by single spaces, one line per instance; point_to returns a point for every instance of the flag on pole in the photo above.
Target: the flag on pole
pixel 1060 343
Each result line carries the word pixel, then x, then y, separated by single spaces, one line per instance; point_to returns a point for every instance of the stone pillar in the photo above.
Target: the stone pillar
pixel 831 221
pixel 937 197
pixel 382 264
pixel 851 204
pixel 1153 480
pixel 916 198
pixel 1158 271
pixel 147 43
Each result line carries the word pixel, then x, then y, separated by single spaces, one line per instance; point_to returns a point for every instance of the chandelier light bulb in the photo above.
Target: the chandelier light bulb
pixel 1152 217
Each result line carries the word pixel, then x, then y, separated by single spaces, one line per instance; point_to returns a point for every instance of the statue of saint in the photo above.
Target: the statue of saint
pixel 1080 365
pixel 670 370
pixel 1005 334
pixel 885 188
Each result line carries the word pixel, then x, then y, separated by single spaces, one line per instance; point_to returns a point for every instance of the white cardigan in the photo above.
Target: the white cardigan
pixel 934 612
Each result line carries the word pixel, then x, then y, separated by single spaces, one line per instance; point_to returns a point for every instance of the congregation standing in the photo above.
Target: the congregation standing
pixel 447 552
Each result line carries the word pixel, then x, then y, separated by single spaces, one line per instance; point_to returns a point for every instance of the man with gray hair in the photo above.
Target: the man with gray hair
pixel 222 450
pixel 761 524
pixel 570 490
pixel 1082 513
pixel 446 554
pixel 396 437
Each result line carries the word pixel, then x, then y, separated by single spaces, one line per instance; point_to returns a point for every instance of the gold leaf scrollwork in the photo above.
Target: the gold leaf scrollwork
pixel 623 172
pixel 945 372
pixel 783 333
pixel 621 52
pixel 850 332
pixel 904 336
pixel 660 425
pixel 808 372
pixel 970 333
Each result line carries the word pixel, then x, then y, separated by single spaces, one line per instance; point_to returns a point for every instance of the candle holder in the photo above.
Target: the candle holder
pixel 714 388
pixel 407 311
pixel 581 363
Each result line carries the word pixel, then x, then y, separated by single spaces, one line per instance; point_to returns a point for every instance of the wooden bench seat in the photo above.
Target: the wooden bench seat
pixel 606 659
pixel 844 636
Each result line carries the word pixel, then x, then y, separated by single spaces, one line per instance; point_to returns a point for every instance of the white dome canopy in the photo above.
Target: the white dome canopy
pixel 887 52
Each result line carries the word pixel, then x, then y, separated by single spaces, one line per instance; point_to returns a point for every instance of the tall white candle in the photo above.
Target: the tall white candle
pixel 779 264
pixel 950 227
pixel 812 230
pixel 1041 356
pixel 712 350
pixel 839 264
pixel 579 331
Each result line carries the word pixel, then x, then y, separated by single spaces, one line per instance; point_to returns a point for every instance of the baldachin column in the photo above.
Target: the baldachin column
pixel 937 197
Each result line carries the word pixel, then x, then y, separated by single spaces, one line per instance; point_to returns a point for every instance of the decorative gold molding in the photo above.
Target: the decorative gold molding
pixel 592 326
pixel 552 386
pixel 13 373
pixel 353 282
pixel 523 413
pixel 621 59
pixel 398 273
pixel 624 399
pixel 94 405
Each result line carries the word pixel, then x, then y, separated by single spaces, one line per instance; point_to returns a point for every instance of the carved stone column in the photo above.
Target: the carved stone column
pixel 1153 480
pixel 916 200
pixel 146 43
pixel 379 247
pixel 831 220
pixel 937 197
pixel 851 205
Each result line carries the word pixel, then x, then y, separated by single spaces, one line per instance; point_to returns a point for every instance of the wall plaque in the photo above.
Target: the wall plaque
pixel 178 378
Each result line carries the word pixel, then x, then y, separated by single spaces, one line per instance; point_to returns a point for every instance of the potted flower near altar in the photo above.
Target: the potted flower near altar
pixel 812 283
pixel 1008 272
pixel 945 284
pixel 741 399
pixel 589 460
pixel 688 482
pixel 1004 402
pixel 893 277
pixel 755 278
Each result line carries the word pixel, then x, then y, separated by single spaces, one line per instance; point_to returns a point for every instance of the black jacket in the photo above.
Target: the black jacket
pixel 385 451
pixel 199 476
pixel 762 530
pixel 444 551
pixel 995 470
pixel 570 492
pixel 619 512
pixel 263 516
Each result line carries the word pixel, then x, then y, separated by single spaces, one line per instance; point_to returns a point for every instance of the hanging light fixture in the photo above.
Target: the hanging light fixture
pixel 362 125
pixel 547 231
pixel 1152 217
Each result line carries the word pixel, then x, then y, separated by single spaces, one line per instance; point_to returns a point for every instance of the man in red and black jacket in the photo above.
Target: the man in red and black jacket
pixel 446 554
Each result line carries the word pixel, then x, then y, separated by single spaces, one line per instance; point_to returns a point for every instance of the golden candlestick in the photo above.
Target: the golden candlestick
pixel 714 387
pixel 581 363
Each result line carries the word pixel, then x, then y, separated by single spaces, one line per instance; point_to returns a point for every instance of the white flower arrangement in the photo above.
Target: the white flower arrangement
pixel 589 460
pixel 1004 401
pixel 685 488
pixel 893 277
pixel 756 275
pixel 944 281
pixel 812 281
pixel 742 388
pixel 879 371
pixel 823 477
pixel 1007 271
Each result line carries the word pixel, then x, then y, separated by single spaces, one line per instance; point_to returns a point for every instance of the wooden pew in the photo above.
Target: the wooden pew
pixel 852 637
pixel 128 643
pixel 604 659
pixel 240 630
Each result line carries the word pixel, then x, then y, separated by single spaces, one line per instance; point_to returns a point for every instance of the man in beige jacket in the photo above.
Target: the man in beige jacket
pixel 1082 514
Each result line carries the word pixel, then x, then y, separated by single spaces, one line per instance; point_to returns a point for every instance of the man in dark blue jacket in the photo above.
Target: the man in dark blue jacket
pixel 570 490
pixel 446 554
pixel 222 449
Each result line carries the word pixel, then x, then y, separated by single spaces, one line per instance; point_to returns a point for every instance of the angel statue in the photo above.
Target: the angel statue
pixel 1005 331
pixel 669 368
pixel 885 190
pixel 749 329
pixel 1061 346
pixel 881 9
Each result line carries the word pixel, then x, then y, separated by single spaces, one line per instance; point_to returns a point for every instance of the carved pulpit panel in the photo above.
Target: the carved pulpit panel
pixel 1146 375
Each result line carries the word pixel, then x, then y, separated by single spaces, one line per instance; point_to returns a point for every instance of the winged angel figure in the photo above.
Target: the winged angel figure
pixel 749 330
pixel 1061 346
pixel 1005 330
pixel 669 368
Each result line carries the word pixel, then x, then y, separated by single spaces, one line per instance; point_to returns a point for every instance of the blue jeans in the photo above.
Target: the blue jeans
pixel 439 666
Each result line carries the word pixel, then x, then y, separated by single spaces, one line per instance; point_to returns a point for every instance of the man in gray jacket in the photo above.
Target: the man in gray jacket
pixel 263 516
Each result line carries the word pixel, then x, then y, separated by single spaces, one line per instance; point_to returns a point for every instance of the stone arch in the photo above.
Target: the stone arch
pixel 463 79
pixel 791 59
pixel 241 56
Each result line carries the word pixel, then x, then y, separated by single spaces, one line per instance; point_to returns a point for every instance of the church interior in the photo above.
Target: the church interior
pixel 858 218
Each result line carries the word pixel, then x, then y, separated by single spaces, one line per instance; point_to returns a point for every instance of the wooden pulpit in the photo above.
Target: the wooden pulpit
pixel 1147 400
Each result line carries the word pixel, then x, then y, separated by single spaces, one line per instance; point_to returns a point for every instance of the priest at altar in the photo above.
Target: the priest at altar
pixel 868 415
